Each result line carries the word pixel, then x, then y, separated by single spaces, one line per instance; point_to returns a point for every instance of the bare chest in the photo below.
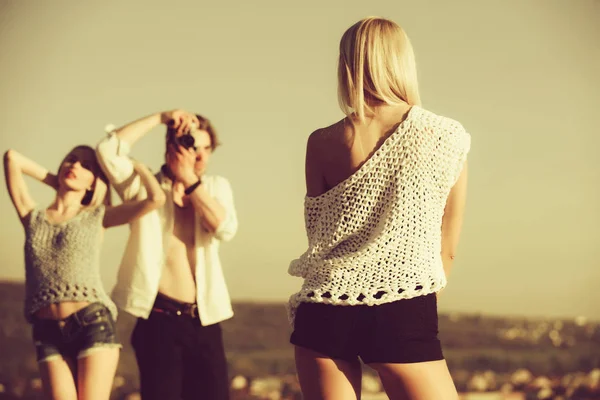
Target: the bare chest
pixel 183 225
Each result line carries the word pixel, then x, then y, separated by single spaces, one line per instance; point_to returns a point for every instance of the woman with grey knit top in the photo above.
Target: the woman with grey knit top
pixel 73 318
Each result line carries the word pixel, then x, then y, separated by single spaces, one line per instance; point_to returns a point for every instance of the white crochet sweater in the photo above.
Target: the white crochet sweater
pixel 376 237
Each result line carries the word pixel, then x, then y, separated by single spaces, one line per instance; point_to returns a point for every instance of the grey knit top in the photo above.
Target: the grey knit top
pixel 62 261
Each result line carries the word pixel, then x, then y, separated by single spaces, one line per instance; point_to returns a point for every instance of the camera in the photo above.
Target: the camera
pixel 186 141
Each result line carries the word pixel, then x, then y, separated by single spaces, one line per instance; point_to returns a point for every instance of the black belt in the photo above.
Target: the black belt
pixel 168 305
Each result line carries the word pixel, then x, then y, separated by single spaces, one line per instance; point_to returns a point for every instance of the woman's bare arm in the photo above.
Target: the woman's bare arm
pixel 131 210
pixel 452 219
pixel 15 166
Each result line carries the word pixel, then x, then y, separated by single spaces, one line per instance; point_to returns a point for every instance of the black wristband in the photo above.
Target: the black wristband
pixel 189 190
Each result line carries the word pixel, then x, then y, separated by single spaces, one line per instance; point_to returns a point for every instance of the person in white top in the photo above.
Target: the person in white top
pixel 171 276
pixel 386 189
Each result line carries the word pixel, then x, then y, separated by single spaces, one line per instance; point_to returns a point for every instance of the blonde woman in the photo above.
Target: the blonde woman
pixel 386 190
pixel 72 317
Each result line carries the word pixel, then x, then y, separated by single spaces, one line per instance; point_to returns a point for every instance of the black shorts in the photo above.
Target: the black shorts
pixel 404 331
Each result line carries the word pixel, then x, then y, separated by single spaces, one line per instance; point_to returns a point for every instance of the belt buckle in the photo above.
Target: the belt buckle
pixel 193 311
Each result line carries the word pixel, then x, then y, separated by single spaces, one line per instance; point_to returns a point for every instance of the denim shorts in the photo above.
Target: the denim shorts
pixel 90 329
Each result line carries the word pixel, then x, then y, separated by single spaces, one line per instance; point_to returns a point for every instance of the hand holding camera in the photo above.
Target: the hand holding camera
pixel 186 140
pixel 179 121
pixel 181 150
pixel 180 162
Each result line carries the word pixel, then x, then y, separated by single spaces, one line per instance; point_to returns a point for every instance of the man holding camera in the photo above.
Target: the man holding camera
pixel 170 276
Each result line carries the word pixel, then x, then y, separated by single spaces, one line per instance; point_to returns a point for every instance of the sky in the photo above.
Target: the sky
pixel 522 77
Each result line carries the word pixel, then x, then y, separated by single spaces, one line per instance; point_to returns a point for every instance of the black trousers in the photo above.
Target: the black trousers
pixel 179 359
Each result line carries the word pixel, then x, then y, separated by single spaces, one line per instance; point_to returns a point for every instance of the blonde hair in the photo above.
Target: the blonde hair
pixel 100 193
pixel 376 64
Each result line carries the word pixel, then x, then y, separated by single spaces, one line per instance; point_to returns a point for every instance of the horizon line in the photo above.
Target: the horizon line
pixel 282 302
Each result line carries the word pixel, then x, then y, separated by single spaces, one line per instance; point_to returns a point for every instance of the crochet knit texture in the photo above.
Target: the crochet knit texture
pixel 62 260
pixel 376 237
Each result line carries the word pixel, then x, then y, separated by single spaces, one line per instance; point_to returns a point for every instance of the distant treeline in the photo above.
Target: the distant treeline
pixel 256 340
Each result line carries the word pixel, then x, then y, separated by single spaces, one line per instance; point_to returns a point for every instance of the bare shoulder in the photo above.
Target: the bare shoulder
pixel 325 136
pixel 320 143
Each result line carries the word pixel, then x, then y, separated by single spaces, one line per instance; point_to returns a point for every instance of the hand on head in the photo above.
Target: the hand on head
pixel 179 120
